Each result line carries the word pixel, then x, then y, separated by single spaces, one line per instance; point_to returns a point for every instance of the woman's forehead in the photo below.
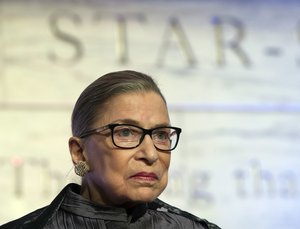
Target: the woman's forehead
pixel 136 106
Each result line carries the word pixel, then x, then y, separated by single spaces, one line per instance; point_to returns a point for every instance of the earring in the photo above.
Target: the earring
pixel 81 168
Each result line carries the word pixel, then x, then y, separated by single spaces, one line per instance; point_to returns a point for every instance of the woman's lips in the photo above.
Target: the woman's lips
pixel 145 176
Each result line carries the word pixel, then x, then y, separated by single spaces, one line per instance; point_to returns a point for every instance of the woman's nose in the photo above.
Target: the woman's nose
pixel 147 150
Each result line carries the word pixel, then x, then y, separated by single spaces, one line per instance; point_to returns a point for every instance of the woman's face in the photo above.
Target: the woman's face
pixel 127 176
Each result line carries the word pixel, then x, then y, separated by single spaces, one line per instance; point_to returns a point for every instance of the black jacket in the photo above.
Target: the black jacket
pixel 71 210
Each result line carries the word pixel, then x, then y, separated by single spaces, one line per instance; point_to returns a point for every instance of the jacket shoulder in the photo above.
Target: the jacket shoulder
pixel 17 223
pixel 159 205
pixel 38 218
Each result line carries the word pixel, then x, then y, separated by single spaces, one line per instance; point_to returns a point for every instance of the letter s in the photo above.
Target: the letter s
pixel 63 36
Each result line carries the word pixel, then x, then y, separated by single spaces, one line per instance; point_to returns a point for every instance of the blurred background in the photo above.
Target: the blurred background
pixel 229 70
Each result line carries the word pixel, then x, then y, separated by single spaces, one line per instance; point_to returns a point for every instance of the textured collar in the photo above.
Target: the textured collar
pixel 78 205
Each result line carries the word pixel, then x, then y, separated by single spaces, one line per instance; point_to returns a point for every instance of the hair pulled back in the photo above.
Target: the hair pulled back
pixel 92 100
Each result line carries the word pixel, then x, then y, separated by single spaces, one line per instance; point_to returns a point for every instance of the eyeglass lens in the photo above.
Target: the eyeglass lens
pixel 127 136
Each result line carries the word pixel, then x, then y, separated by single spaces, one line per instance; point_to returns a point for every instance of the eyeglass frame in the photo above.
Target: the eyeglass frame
pixel 145 132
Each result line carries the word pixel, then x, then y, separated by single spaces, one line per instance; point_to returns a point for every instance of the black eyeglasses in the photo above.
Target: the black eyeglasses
pixel 128 136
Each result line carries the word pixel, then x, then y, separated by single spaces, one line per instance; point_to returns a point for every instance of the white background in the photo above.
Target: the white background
pixel 238 160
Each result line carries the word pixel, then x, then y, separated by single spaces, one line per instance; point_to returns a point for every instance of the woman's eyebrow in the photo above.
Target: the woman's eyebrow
pixel 127 121
pixel 162 125
pixel 136 123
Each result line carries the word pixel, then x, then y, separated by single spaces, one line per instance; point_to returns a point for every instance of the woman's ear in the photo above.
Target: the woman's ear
pixel 76 149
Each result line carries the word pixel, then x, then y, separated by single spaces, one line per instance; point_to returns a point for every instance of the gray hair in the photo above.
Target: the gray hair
pixel 91 101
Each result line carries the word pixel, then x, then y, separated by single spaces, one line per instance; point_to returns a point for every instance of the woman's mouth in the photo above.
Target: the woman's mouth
pixel 145 176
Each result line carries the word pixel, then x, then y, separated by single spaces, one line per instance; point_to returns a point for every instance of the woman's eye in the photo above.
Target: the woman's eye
pixel 162 135
pixel 125 132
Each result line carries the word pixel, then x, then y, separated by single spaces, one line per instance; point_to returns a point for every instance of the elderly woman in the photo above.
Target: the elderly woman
pixel 121 147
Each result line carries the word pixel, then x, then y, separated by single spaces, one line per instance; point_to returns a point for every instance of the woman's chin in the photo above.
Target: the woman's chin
pixel 145 196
